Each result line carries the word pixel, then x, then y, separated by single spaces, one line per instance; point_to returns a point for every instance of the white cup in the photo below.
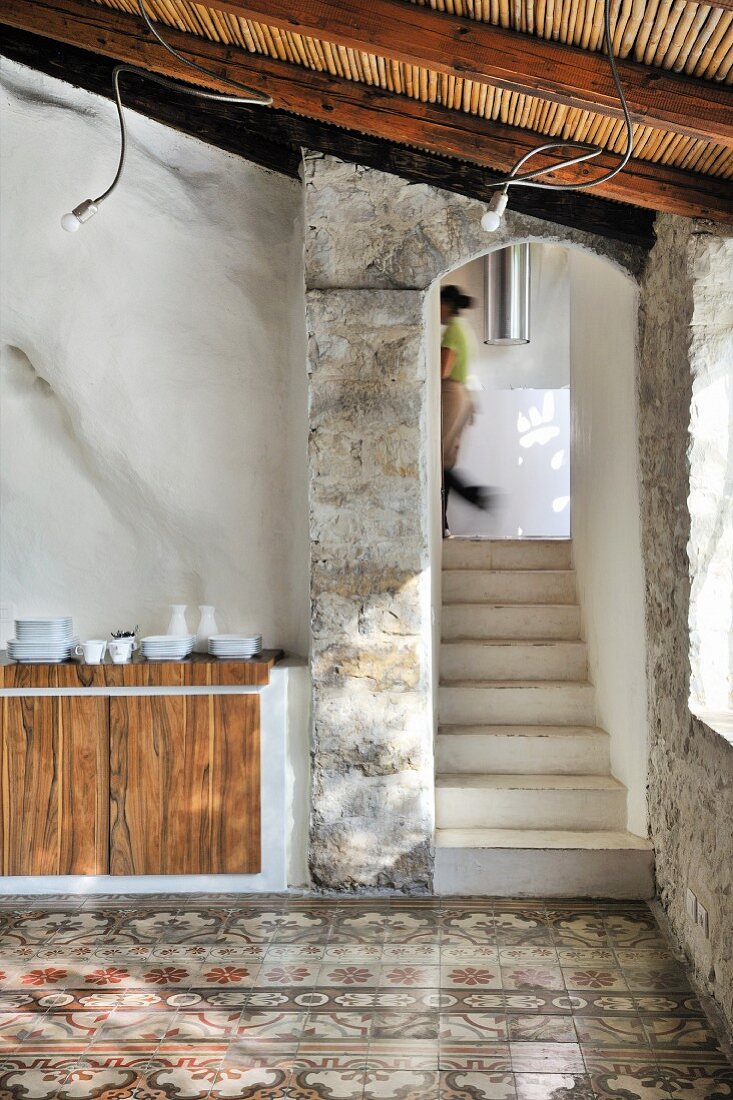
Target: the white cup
pixel 121 649
pixel 93 651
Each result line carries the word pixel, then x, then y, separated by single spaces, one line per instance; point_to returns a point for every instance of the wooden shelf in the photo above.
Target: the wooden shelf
pixel 198 670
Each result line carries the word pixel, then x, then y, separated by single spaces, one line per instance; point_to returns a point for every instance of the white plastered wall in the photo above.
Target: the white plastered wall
pixel 152 387
pixel 606 512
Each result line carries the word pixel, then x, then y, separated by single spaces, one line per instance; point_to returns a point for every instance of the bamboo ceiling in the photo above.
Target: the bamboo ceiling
pixel 690 38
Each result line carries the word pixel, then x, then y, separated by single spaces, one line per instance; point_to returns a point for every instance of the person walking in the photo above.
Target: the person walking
pixel 457 406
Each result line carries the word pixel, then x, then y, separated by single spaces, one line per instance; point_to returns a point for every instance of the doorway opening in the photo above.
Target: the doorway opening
pixel 517 441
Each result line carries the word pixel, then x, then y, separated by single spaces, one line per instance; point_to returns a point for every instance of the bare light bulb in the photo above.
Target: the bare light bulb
pixel 492 218
pixel 80 214
pixel 70 223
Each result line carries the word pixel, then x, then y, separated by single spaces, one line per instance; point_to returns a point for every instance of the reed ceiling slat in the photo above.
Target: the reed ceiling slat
pixel 696 39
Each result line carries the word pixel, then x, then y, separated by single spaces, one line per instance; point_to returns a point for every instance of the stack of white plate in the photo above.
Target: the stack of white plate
pixel 167 647
pixel 235 645
pixel 50 639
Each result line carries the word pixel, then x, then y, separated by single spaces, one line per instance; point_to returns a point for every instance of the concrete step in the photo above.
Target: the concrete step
pixel 522 622
pixel 523 586
pixel 543 863
pixel 506 553
pixel 517 702
pixel 577 802
pixel 511 750
pixel 507 659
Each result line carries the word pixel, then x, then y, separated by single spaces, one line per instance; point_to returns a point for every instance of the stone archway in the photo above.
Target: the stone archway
pixel 374 245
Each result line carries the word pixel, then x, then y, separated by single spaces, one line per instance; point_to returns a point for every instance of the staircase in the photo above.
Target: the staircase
pixel 525 800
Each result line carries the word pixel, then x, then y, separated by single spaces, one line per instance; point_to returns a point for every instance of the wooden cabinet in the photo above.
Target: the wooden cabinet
pixel 55 785
pixel 97 783
pixel 185 784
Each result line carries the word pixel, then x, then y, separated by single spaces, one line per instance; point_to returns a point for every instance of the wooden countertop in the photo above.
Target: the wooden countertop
pixel 198 670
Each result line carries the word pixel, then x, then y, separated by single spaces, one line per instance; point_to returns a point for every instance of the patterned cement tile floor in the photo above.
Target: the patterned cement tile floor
pixel 406 999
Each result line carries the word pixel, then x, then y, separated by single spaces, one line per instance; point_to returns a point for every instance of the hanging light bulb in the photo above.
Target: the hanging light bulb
pixel 493 216
pixel 586 151
pixel 85 210
pixel 80 214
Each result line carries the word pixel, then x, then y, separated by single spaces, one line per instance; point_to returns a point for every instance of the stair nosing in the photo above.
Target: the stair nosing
pixel 497 604
pixel 524 684
pixel 640 844
pixel 513 641
pixel 455 729
pixel 520 570
pixel 448 780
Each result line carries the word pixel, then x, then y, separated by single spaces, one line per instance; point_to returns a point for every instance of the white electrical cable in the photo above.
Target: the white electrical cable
pixel 85 210
pixel 492 219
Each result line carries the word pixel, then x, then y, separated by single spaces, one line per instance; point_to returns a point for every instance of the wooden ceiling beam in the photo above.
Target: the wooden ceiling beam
pixel 274 139
pixel 473 50
pixel 358 107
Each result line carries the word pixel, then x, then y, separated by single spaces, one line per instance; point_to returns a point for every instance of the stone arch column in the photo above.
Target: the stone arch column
pixel 374 245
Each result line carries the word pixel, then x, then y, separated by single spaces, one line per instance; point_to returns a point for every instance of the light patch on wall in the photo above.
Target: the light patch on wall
pixel 711 540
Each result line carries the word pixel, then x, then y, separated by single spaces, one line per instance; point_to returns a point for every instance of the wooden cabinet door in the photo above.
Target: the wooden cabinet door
pixel 185 784
pixel 55 785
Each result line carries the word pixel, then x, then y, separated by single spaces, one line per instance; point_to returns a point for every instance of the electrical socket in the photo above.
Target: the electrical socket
pixel 691 905
pixel 702 919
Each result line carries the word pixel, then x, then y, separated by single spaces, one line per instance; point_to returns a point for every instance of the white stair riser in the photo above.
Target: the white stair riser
pixel 482 586
pixel 513 754
pixel 537 704
pixel 513 661
pixel 478 808
pixel 506 554
pixel 517 621
pixel 501 872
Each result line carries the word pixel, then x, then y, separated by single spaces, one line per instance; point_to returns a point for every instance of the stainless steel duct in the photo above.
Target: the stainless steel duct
pixel 507 295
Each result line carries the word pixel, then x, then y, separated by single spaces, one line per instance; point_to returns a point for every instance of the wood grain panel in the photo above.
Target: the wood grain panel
pixel 54 786
pixel 468 49
pixel 236 811
pixel 184 784
pixel 84 832
pixel 145 760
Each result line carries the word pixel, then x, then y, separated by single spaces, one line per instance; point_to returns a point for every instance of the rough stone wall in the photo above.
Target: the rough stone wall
pixel 373 767
pixel 374 244
pixel 690 765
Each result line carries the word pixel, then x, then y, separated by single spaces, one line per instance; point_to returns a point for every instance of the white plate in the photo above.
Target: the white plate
pixel 233 648
pixel 236 649
pixel 42 626
pixel 38 660
pixel 42 636
pixel 167 639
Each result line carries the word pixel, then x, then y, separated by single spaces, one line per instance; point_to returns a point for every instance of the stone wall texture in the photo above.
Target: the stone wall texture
pixel 684 299
pixel 374 244
pixel 372 823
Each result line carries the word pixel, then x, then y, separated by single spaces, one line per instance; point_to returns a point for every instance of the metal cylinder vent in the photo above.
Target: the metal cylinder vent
pixel 507 295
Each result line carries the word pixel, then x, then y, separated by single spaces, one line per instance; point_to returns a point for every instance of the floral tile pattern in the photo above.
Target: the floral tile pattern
pixel 207 997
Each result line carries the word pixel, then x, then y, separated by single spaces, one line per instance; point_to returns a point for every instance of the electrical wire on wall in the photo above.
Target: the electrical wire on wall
pixel 491 219
pixel 87 209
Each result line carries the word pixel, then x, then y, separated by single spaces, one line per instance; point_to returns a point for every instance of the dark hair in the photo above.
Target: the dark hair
pixel 453 297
